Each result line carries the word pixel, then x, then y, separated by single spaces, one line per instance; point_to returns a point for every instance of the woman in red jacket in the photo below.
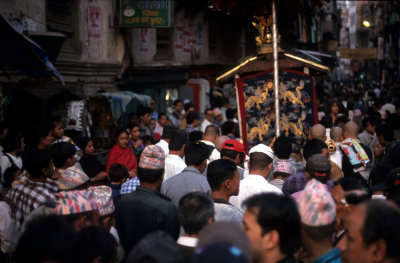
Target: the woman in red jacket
pixel 121 153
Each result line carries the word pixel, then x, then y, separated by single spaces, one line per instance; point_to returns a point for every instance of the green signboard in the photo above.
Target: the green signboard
pixel 145 13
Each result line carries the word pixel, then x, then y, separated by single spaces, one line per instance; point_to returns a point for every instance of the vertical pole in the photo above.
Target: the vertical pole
pixel 276 69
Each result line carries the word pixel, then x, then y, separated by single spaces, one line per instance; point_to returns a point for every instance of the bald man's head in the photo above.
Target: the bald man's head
pixel 318 132
pixel 350 130
pixel 337 134
pixel 219 141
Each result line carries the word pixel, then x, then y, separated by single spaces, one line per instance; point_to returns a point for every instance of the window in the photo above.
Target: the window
pixel 61 18
pixel 164 50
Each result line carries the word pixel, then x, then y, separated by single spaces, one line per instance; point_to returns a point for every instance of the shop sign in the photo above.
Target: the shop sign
pixel 359 53
pixel 145 13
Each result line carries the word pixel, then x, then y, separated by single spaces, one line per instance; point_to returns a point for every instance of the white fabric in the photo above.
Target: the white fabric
pixel 215 155
pixel 252 184
pixel 5 162
pixel 204 125
pixel 262 148
pixel 337 156
pixel 159 129
pixel 173 165
pixel 389 107
pixel 187 241
pixel 164 145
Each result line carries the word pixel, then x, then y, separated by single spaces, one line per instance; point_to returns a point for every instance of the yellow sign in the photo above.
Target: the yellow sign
pixel 359 53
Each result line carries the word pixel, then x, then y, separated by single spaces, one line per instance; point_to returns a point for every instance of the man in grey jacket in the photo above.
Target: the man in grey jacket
pixel 223 177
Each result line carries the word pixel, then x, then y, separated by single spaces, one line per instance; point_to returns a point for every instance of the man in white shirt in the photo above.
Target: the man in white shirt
pixel 260 164
pixel 210 135
pixel 166 138
pixel 174 163
pixel 208 115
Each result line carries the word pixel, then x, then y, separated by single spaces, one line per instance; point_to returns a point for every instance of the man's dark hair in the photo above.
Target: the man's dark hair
pixel 319 233
pixel 194 211
pixel 96 242
pixel 349 184
pixel 161 114
pixel 382 222
pixel 327 121
pixel 195 136
pixel 60 152
pixel 38 131
pixel 196 153
pixel 231 154
pixel 167 131
pixel 191 117
pixel 187 106
pixel 219 171
pixel 149 175
pixel 312 147
pixel 277 212
pixel 259 161
pixel 211 130
pixel 11 142
pixel 208 109
pixel 178 139
pixel 177 101
pixel 386 131
pixel 230 113
pixel 228 128
pixel 40 160
pixel 142 110
pixel 117 172
pixel 48 238
pixel 72 218
pixel 371 120
pixel 282 147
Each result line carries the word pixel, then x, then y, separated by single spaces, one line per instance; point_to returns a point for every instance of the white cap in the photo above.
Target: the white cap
pixel 262 148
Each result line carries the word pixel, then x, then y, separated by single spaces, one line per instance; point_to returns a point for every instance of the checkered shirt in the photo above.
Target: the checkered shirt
pixel 27 196
pixel 130 185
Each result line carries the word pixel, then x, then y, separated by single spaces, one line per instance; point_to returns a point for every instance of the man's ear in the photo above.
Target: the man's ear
pixel 227 184
pixel 379 249
pixel 270 240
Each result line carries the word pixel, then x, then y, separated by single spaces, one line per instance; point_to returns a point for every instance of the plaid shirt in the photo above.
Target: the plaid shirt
pixel 26 197
pixel 130 185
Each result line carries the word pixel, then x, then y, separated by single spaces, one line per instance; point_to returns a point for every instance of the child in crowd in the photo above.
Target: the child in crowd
pixel 89 162
pixel 136 143
pixel 117 175
pixel 69 177
pixel 282 171
pixel 58 132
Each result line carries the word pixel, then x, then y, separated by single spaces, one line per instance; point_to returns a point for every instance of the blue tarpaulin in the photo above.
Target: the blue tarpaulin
pixel 21 53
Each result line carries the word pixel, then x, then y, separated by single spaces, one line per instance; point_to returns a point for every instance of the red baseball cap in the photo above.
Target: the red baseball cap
pixel 234 145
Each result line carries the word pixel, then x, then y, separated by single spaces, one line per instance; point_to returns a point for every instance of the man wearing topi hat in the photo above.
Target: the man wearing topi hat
pixel 146 209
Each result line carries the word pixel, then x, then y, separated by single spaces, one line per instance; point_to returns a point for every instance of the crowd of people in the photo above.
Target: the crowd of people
pixel 180 189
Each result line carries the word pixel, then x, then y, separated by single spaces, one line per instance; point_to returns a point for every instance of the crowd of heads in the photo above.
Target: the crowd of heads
pixel 192 193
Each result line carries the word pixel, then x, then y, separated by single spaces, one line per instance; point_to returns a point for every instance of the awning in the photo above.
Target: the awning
pixel 21 53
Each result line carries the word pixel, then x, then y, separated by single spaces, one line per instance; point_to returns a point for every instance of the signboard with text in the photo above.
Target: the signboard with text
pixel 359 53
pixel 145 13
